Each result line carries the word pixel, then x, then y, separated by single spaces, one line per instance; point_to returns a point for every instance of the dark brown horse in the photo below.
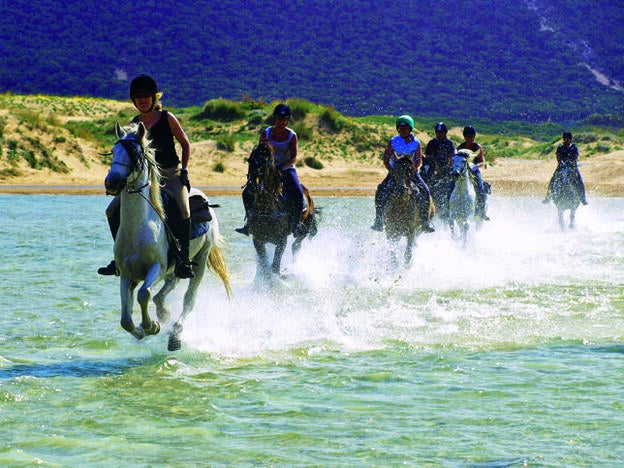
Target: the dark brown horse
pixel 268 217
pixel 401 214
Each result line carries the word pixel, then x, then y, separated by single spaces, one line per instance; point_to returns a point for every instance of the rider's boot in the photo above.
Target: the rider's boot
pixel 113 224
pixel 584 196
pixel 243 230
pixel 378 225
pixel 423 209
pixel 299 230
pixel 481 207
pixel 184 267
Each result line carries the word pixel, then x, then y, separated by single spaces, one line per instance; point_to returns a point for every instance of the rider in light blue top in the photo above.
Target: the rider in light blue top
pixel 403 144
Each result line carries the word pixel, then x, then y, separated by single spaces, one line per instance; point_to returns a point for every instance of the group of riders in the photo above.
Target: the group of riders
pixel 430 168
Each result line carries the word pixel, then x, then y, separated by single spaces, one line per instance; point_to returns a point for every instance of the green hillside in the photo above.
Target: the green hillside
pixel 519 60
pixel 45 134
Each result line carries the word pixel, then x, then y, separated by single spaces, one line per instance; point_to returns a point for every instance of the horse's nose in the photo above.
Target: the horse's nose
pixel 111 184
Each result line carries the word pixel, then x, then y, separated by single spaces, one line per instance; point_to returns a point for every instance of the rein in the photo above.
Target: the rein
pixel 135 150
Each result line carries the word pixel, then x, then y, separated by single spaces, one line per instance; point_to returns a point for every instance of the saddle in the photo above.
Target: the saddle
pixel 200 213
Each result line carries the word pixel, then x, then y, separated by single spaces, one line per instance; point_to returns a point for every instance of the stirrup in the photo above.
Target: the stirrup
pixel 300 230
pixel 377 226
pixel 108 270
pixel 427 227
pixel 184 269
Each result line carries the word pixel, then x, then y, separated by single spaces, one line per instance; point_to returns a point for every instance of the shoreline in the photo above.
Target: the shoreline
pixel 503 188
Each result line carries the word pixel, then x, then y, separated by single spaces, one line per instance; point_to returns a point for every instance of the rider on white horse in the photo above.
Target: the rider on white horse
pixel 481 187
pixel 567 153
pixel 162 128
pixel 405 143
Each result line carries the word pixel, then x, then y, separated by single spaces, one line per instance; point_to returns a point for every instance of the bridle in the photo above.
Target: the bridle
pixel 136 152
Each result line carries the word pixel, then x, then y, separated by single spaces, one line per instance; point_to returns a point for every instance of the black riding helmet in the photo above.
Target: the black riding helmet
pixel 143 84
pixel 567 135
pixel 470 131
pixel 441 127
pixel 283 111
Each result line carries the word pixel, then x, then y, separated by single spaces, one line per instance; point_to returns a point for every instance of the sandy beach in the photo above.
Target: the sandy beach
pixel 603 175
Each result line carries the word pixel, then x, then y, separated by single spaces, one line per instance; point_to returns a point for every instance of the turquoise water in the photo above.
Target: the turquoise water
pixel 508 353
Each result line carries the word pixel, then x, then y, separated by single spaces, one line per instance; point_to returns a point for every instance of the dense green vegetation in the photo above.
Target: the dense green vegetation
pixel 521 60
pixel 44 130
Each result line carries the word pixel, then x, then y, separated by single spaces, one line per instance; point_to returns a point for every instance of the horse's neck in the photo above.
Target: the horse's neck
pixel 137 213
pixel 464 183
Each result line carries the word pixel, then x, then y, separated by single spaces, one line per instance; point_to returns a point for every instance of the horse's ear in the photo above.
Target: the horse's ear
pixel 119 131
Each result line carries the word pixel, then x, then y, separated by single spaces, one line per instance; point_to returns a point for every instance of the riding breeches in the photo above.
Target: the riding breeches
pixel 293 193
pixel 174 185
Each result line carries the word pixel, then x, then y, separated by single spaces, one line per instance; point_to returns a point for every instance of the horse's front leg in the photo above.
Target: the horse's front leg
pixel 144 295
pixel 408 248
pixel 126 292
pixel 162 311
pixel 572 218
pixel 280 247
pixel 262 255
pixel 560 217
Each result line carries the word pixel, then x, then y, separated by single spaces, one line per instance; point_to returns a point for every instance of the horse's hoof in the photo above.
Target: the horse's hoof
pixel 153 330
pixel 174 344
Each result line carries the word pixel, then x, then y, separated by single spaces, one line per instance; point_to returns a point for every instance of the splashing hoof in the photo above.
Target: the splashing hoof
pixel 154 329
pixel 175 343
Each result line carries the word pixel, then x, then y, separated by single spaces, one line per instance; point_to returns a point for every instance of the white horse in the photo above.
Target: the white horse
pixel 462 199
pixel 142 243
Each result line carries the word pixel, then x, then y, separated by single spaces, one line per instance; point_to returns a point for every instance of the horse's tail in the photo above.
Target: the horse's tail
pixel 216 264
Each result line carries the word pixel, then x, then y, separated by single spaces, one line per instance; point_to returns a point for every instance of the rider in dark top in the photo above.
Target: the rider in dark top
pixel 567 153
pixel 163 127
pixel 438 154
pixel 480 187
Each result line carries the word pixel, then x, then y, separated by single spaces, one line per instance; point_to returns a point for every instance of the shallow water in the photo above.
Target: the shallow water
pixel 507 353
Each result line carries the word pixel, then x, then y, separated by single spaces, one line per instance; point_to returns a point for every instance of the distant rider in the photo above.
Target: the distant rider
pixel 163 127
pixel 405 144
pixel 481 187
pixel 567 153
pixel 285 147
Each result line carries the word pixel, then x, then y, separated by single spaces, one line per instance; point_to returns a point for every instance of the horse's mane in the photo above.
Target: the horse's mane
pixel 263 156
pixel 139 134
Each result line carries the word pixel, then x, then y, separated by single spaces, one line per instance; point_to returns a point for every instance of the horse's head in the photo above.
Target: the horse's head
pixel 459 165
pixel 132 160
pixel 403 172
pixel 262 170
